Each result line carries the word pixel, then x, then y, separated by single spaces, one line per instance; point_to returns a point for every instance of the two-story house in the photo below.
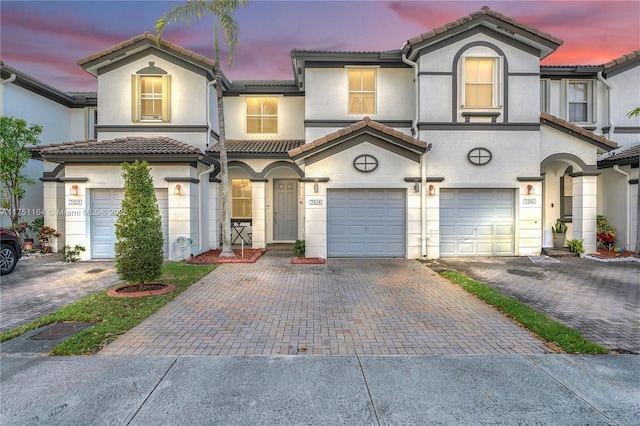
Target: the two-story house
pixel 458 143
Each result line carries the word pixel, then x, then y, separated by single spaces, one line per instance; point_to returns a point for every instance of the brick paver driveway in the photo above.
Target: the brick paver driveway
pixel 365 307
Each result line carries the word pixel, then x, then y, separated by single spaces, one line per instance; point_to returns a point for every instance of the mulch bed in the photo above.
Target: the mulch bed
pixel 148 289
pixel 213 256
pixel 610 254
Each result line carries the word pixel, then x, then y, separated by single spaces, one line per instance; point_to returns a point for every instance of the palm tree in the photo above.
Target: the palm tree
pixel 222 13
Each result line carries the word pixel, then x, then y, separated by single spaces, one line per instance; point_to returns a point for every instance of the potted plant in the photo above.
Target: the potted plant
pixel 46 236
pixel 606 234
pixel 559 231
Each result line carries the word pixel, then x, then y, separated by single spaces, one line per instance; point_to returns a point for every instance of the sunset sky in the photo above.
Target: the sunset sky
pixel 45 39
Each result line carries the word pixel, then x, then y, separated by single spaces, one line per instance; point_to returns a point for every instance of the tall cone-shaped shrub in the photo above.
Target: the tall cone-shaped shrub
pixel 139 237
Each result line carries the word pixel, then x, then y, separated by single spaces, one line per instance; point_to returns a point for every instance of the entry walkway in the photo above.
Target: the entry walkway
pixel 344 307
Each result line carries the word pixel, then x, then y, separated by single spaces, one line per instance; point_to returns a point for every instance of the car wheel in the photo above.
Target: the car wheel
pixel 8 259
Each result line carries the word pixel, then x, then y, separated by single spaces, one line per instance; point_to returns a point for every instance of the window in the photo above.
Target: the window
pixel 579 97
pixel 544 96
pixel 241 198
pixel 481 83
pixel 151 98
pixel 362 91
pixel 566 195
pixel 262 115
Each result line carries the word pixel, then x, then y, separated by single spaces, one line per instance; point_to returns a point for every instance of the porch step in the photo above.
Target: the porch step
pixel 554 252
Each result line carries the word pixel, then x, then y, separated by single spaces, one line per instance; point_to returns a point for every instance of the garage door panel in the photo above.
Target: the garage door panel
pixel 372 223
pixel 477 222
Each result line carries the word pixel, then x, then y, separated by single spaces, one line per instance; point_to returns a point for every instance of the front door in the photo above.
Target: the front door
pixel 285 210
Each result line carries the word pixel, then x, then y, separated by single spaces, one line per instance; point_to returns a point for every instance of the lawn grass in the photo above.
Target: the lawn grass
pixel 112 316
pixel 552 331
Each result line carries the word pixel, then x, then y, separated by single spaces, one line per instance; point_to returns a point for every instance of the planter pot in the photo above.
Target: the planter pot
pixel 28 244
pixel 558 240
pixel 46 249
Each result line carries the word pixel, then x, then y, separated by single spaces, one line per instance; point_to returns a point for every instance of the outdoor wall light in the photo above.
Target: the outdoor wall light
pixel 177 190
pixel 529 189
pixel 416 187
pixel 316 187
pixel 432 190
pixel 74 190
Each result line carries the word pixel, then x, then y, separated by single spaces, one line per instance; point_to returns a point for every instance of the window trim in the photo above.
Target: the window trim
pixel 91 123
pixel 545 91
pixel 497 90
pixel 590 101
pixel 262 115
pixel 136 90
pixel 375 90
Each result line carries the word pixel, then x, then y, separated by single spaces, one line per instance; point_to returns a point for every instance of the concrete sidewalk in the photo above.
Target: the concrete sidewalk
pixel 322 390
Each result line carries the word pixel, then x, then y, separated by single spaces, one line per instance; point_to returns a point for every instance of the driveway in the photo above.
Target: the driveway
pixel 344 307
pixel 40 285
pixel 601 300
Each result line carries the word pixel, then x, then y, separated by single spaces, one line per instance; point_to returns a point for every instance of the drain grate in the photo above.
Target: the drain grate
pixel 60 330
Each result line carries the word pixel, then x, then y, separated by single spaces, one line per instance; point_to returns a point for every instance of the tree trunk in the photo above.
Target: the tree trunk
pixel 224 172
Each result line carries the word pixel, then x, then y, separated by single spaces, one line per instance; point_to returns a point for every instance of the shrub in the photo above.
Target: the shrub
pixel 298 248
pixel 138 250
pixel 575 246
pixel 71 254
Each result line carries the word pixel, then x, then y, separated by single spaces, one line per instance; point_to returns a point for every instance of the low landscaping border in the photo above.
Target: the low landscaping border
pixel 112 316
pixel 555 333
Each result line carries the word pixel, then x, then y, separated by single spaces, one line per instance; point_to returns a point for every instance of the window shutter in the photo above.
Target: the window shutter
pixel 166 98
pixel 135 98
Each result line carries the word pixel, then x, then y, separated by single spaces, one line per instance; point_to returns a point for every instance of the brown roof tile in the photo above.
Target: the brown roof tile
pixel 625 155
pixel 622 59
pixel 150 38
pixel 480 14
pixel 262 146
pixel 570 127
pixel 121 146
pixel 366 122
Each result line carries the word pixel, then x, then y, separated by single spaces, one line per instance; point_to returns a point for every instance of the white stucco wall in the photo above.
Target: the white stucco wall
pixel 625 97
pixel 327 94
pixel 291 116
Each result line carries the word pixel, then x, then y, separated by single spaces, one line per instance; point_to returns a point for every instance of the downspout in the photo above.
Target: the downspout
pixel 608 86
pixel 423 158
pixel 11 79
pixel 627 226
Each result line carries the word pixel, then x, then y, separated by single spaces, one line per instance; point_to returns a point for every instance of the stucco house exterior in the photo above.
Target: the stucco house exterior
pixel 458 143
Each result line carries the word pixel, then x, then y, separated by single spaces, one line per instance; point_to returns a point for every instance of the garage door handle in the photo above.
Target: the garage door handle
pixel 275 218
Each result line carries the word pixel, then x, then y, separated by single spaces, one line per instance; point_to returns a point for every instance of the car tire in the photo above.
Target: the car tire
pixel 8 259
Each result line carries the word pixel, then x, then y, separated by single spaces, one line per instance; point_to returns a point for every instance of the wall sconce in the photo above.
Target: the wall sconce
pixel 177 190
pixel 315 187
pixel 74 190
pixel 416 187
pixel 432 190
pixel 529 189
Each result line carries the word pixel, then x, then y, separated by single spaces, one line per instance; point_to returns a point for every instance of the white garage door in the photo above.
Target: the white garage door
pixel 477 222
pixel 105 203
pixel 366 223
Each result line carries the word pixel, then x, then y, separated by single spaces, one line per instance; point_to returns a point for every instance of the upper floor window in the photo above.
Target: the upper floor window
pixel 92 122
pixel 481 82
pixel 362 91
pixel 262 115
pixel 544 96
pixel 151 93
pixel 241 204
pixel 580 101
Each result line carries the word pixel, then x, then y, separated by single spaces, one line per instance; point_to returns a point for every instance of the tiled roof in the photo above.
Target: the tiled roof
pixel 262 146
pixel 480 14
pixel 572 128
pixel 366 122
pixel 264 82
pixel 622 59
pixel 626 155
pixel 121 146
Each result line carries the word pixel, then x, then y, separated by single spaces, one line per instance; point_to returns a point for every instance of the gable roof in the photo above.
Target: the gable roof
pixel 577 131
pixel 139 43
pixel 366 126
pixel 623 156
pixel 622 63
pixel 124 149
pixel 486 17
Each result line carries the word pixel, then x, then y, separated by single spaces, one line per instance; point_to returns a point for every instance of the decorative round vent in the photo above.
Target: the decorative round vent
pixel 365 163
pixel 479 156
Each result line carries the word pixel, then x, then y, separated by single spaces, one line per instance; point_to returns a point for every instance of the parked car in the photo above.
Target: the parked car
pixel 11 250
